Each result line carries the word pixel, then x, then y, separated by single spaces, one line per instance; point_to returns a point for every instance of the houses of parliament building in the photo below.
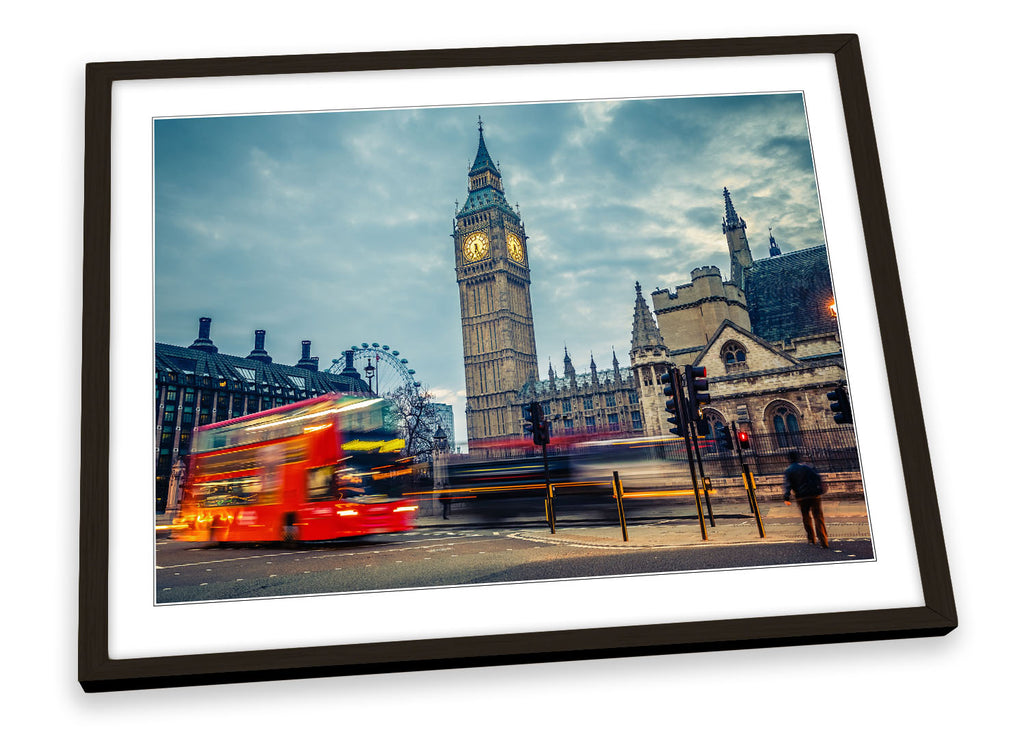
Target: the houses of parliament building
pixel 768 335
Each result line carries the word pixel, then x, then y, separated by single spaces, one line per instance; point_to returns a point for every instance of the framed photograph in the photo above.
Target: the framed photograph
pixel 615 363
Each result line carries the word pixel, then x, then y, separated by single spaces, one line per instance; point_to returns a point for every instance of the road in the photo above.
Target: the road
pixel 453 555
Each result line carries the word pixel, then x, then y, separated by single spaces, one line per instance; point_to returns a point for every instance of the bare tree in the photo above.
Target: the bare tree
pixel 418 418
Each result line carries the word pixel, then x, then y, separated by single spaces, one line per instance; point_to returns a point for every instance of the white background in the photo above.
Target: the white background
pixel 950 155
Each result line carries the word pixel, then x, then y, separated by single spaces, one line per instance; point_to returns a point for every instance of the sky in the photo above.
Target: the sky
pixel 335 227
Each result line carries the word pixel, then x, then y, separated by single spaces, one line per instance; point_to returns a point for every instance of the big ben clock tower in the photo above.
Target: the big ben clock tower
pixel 493 272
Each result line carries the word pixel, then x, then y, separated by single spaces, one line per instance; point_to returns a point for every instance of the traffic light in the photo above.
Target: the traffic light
pixel 743 438
pixel 674 406
pixel 538 426
pixel 696 389
pixel 842 412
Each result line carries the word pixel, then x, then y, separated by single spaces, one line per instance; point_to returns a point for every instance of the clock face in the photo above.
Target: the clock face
pixel 474 247
pixel 515 247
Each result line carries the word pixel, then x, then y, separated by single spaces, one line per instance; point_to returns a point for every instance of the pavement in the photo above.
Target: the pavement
pixel 846 519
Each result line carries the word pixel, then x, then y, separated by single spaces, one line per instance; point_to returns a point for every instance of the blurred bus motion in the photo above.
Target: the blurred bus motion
pixel 320 469
pixel 580 472
pixel 647 464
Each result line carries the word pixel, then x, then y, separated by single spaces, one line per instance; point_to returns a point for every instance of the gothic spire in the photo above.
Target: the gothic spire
pixel 485 190
pixel 483 161
pixel 645 330
pixel 731 221
pixel 773 247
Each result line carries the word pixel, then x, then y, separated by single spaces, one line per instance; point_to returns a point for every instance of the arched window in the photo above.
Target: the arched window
pixel 785 423
pixel 734 354
pixel 716 430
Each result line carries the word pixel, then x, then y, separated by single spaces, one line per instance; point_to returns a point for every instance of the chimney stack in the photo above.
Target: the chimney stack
pixel 258 352
pixel 313 364
pixel 203 342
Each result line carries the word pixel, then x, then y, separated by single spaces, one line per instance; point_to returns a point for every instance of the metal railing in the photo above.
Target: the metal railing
pixel 829 450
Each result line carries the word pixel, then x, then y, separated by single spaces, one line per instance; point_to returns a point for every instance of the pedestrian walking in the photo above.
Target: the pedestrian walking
pixel 804 483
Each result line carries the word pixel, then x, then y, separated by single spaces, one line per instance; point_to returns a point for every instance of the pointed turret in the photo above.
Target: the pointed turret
pixel 593 371
pixel 551 375
pixel 570 370
pixel 648 359
pixel 773 247
pixel 645 330
pixel 734 228
pixel 615 367
pixel 731 221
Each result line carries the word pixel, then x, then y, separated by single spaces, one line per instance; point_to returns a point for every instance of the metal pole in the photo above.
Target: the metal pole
pixel 683 425
pixel 748 483
pixel 617 491
pixel 549 497
pixel 705 481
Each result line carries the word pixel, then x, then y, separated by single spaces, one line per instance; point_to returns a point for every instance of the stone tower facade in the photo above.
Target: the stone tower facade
pixel 492 269
pixel 689 316
pixel 648 359
pixel 735 230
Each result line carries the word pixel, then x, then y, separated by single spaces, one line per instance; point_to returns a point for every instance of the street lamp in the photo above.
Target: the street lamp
pixel 370 371
pixel 440 472
pixel 440 439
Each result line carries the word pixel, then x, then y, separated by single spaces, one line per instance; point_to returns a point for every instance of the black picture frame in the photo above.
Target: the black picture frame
pixel 99 672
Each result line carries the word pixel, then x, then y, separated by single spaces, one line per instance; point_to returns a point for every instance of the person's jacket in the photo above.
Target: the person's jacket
pixel 803 481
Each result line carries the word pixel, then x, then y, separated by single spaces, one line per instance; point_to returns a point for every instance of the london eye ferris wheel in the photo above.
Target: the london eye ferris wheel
pixel 381 367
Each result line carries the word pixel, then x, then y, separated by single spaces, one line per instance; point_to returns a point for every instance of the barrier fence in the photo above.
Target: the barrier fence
pixel 830 450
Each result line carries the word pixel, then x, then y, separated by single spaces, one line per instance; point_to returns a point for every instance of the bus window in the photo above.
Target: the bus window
pixel 234 493
pixel 320 486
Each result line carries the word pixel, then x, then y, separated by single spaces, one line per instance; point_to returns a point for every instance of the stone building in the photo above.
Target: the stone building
pixel 768 338
pixel 599 403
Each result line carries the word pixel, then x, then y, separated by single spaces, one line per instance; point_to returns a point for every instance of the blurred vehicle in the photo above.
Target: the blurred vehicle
pixel 643 463
pixel 320 469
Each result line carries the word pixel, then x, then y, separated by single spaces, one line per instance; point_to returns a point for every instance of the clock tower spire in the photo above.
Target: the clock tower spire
pixel 492 270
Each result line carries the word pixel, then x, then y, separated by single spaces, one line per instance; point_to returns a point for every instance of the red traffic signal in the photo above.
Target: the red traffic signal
pixel 743 438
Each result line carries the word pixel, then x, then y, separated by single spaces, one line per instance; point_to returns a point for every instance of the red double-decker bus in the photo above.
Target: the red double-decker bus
pixel 320 469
